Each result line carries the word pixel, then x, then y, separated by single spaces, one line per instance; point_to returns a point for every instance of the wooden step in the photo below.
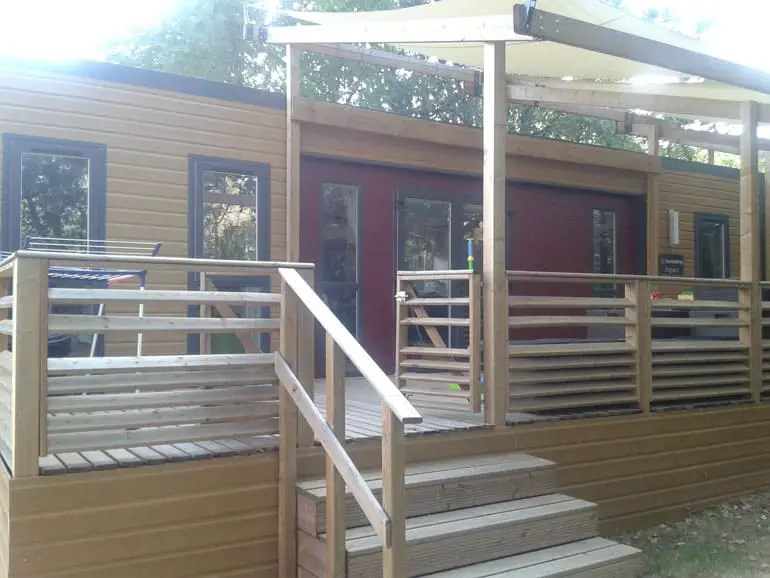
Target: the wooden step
pixel 594 558
pixel 433 487
pixel 444 541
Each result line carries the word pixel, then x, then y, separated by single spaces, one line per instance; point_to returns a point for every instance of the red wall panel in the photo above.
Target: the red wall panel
pixel 551 231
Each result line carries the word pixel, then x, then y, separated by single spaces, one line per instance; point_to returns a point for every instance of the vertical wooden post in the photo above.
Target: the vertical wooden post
pixel 306 357
pixel 711 159
pixel 639 335
pixel 751 296
pixel 29 397
pixel 288 418
pixel 766 209
pixel 495 291
pixel 293 152
pixel 401 330
pixel 205 346
pixel 394 494
pixel 4 292
pixel 474 340
pixel 653 207
pixel 336 510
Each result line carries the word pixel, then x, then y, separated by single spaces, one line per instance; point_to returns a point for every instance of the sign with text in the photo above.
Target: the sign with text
pixel 671 265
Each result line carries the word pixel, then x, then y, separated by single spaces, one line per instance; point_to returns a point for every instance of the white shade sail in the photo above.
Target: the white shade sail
pixel 549 63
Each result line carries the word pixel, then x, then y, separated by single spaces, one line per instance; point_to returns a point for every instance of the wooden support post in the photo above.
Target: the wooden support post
pixel 293 83
pixel 639 335
pixel 711 159
pixel 495 288
pixel 306 357
pixel 402 331
pixel 751 297
pixel 205 345
pixel 394 494
pixel 474 340
pixel 336 511
pixel 288 420
pixel 766 209
pixel 29 397
pixel 653 207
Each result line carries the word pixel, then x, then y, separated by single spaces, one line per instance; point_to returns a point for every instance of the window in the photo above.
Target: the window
pixel 712 246
pixel 605 248
pixel 229 209
pixel 52 188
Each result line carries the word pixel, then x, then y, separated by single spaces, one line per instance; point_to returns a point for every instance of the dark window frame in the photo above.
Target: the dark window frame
pixel 723 220
pixel 14 146
pixel 197 165
pixel 606 289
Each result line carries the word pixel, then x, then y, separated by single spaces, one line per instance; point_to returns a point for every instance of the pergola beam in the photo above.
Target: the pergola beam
pixel 571 32
pixel 441 30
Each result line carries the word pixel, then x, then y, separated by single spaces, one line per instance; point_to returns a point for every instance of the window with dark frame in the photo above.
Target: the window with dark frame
pixel 604 240
pixel 712 246
pixel 52 188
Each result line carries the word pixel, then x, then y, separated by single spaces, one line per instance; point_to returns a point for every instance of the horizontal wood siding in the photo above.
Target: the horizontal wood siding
pixel 691 193
pixel 204 519
pixel 343 143
pixel 149 135
pixel 642 469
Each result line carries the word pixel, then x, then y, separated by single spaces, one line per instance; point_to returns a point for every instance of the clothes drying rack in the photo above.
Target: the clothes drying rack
pixel 83 277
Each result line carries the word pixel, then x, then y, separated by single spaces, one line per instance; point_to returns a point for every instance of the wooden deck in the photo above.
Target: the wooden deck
pixel 362 419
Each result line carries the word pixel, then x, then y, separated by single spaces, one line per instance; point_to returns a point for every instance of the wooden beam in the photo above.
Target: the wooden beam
pixel 653 206
pixel 293 78
pixel 558 28
pixel 495 279
pixel 497 28
pixel 751 297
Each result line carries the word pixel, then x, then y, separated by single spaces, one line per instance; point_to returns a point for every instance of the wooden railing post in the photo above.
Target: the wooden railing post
pixel 402 331
pixel 639 336
pixel 474 340
pixel 394 494
pixel 305 367
pixel 750 302
pixel 288 418
pixel 29 398
pixel 336 510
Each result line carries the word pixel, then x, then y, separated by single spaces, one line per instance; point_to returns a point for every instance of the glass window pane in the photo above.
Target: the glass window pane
pixel 339 233
pixel 427 241
pixel 229 228
pixel 712 249
pixel 54 196
pixel 604 242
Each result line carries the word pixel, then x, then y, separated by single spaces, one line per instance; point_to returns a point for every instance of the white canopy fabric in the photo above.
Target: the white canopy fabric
pixel 548 63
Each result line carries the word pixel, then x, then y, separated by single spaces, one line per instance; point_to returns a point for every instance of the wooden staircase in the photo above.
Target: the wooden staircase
pixel 489 516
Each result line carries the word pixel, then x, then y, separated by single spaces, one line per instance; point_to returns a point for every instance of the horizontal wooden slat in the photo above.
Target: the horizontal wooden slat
pixel 155 296
pixel 450 275
pixel 158 417
pixel 697 369
pixel 162 399
pixel 569 302
pixel 697 322
pixel 435 301
pixel 673 383
pixel 436 321
pixel 436 351
pixel 711 358
pixel 154 381
pixel 74 324
pixel 102 440
pixel 697 304
pixel 555 349
pixel 699 393
pixel 436 377
pixel 157 362
pixel 566 321
pixel 558 376
pixel 570 362
pixel 435 364
pixel 696 346
pixel 572 402
pixel 518 391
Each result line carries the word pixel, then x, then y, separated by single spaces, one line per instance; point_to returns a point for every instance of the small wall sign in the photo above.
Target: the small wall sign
pixel 671 265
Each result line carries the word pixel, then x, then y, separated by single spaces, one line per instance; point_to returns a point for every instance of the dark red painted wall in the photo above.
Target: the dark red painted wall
pixel 551 231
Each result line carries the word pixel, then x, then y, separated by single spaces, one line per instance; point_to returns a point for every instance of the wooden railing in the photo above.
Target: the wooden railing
pixel 58 405
pixel 301 306
pixel 441 364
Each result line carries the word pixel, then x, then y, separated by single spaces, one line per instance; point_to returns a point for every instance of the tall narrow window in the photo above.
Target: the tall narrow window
pixel 427 240
pixel 338 268
pixel 605 248
pixel 52 188
pixel 712 246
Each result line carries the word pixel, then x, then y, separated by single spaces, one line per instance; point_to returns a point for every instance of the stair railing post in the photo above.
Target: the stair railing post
pixel 639 336
pixel 305 368
pixel 394 494
pixel 474 339
pixel 402 310
pixel 288 421
pixel 336 509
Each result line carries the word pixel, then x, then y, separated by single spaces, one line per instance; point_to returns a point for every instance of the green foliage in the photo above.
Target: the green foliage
pixel 204 39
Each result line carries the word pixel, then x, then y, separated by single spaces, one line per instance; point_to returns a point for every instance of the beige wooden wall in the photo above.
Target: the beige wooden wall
pixel 209 518
pixel 691 193
pixel 149 134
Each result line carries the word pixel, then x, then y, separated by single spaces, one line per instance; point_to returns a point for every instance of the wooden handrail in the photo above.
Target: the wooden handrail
pixel 404 411
pixel 556 277
pixel 334 450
